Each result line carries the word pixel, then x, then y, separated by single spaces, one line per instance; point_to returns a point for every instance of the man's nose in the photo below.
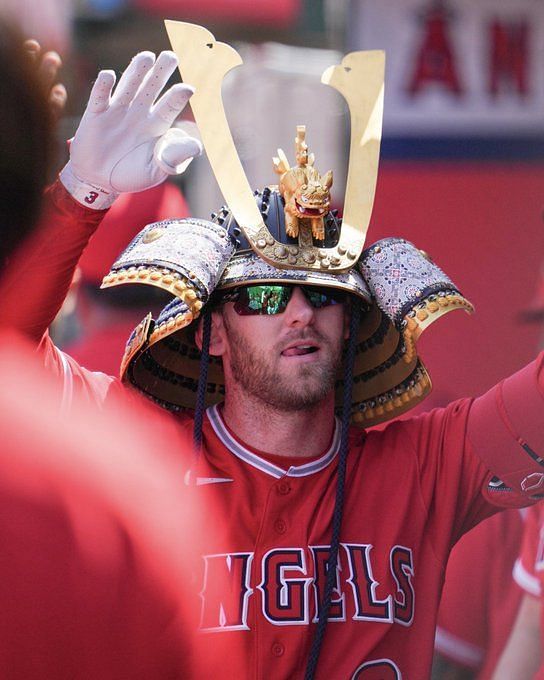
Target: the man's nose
pixel 299 311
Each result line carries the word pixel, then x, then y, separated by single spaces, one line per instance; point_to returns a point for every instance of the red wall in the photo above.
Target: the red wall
pixel 278 13
pixel 482 223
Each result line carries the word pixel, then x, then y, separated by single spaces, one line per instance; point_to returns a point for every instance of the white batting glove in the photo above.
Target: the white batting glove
pixel 124 142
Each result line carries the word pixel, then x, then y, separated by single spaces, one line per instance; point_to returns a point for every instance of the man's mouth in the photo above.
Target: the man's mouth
pixel 299 350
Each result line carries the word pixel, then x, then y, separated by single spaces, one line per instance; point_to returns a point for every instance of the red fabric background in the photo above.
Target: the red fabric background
pixel 482 223
pixel 280 13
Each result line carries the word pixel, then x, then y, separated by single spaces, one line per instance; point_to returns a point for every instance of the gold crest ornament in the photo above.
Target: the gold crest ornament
pixel 306 194
pixel 204 62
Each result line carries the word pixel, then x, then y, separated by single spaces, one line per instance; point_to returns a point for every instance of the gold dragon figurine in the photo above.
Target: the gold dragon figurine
pixel 306 193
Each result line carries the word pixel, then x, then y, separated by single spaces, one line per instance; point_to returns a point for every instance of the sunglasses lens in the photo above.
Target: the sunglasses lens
pixel 323 298
pixel 266 300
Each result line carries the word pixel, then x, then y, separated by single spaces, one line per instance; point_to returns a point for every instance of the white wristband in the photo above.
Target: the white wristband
pixel 85 193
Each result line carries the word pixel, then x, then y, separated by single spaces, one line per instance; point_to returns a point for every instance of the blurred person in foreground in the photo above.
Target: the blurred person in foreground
pixel 479 571
pixel 318 521
pixel 522 656
pixel 94 531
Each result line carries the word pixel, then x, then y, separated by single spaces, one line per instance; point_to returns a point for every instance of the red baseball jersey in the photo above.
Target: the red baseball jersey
pixel 412 490
pixel 479 571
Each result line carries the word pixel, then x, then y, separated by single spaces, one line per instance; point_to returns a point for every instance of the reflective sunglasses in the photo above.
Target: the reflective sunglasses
pixel 268 299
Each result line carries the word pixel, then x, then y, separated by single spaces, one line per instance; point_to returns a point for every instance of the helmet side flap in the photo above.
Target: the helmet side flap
pixel 184 257
pixel 410 292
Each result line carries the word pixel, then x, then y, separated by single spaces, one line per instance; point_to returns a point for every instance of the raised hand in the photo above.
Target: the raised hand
pixel 124 142
pixel 48 65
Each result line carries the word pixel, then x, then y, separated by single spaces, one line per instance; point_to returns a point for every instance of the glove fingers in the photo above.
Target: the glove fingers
pixel 174 151
pixel 180 151
pixel 99 98
pixel 172 103
pixel 132 78
pixel 155 79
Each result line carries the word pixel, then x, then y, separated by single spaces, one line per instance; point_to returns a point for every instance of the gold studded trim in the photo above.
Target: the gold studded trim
pixel 173 324
pixel 307 257
pixel 394 402
pixel 425 313
pixel 161 277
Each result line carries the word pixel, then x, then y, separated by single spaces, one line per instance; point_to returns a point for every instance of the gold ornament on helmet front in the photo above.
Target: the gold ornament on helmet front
pixel 306 194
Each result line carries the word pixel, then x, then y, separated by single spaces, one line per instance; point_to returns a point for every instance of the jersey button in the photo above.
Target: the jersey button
pixel 280 526
pixel 284 488
pixel 278 649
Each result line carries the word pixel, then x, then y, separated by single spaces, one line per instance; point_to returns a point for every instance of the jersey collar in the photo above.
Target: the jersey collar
pixel 240 451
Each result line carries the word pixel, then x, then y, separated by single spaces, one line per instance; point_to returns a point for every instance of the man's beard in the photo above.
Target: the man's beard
pixel 303 389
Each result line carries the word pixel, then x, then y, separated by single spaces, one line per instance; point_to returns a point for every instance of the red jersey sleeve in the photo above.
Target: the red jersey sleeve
pixel 39 275
pixel 76 384
pixel 505 431
pixel 75 381
pixel 451 477
pixel 476 455
pixel 35 285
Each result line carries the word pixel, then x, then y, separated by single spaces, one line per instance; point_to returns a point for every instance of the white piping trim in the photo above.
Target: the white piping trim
pixel 67 384
pixel 264 465
pixel 525 580
pixel 459 650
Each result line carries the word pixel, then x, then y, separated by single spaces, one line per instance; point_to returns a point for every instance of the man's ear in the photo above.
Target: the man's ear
pixel 217 337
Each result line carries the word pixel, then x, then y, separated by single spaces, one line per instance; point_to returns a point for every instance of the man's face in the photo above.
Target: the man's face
pixel 288 360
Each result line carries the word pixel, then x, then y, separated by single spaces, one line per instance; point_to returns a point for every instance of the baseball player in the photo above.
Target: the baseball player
pixel 333 540
pixel 522 657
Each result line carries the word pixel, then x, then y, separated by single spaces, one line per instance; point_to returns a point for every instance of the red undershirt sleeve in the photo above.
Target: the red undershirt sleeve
pixel 506 430
pixel 39 275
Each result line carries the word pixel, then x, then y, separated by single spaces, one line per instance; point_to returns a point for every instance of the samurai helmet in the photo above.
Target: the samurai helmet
pixel 284 233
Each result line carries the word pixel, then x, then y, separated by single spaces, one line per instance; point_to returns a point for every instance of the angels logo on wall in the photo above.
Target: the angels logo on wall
pixel 438 59
pixel 435 61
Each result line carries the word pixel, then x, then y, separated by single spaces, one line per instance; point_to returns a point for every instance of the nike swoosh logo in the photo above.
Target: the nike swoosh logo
pixel 200 481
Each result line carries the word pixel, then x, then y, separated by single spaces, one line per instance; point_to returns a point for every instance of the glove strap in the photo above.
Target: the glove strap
pixel 87 194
